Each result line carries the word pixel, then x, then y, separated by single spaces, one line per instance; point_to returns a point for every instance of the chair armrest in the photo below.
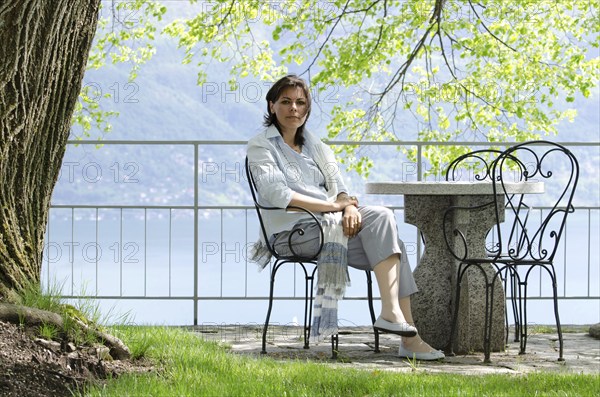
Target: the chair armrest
pixel 295 230
pixel 301 231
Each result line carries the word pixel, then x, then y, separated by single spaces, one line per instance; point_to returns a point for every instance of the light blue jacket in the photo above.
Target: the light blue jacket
pixel 279 171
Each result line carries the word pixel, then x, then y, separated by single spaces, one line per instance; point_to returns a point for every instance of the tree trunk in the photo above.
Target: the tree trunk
pixel 44 47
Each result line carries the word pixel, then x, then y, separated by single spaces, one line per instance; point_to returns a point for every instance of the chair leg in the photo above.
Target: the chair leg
pixel 459 275
pixel 487 326
pixel 521 319
pixel 371 310
pixel 509 281
pixel 557 318
pixel 523 326
pixel 505 283
pixel 523 344
pixel 306 326
pixel 516 303
pixel 558 328
pixel 308 298
pixel 489 313
pixel 266 326
pixel 334 346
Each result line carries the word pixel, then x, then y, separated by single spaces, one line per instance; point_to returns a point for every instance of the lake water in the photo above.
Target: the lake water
pixel 129 256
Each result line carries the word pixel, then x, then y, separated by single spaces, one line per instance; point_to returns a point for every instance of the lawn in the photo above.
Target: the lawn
pixel 187 365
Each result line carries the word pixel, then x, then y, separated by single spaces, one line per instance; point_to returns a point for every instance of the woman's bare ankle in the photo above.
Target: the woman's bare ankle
pixel 395 317
pixel 416 344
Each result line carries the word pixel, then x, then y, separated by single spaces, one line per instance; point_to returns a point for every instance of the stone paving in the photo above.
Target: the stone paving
pixel 356 345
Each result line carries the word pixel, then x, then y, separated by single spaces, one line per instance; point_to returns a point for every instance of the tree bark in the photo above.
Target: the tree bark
pixel 44 47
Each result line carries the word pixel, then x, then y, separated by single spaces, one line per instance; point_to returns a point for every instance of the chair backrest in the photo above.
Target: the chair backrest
pixel 259 212
pixel 258 208
pixel 558 169
pixel 472 166
pixel 477 166
pixel 517 235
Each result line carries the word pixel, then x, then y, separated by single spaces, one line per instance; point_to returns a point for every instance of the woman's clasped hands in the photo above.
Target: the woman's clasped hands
pixel 351 219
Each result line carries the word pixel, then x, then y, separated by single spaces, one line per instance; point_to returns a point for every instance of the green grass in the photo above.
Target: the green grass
pixel 190 366
pixel 551 329
pixel 32 296
pixel 86 311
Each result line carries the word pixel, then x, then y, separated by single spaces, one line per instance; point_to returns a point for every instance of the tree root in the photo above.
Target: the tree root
pixel 23 315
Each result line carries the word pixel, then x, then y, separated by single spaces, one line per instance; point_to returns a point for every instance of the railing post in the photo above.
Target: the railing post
pixel 419 162
pixel 419 178
pixel 196 272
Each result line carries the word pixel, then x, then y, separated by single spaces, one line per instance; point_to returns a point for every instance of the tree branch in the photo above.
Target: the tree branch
pixel 488 30
pixel 400 74
pixel 322 46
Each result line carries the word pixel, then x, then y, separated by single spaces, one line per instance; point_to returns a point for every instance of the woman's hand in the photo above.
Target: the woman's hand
pixel 351 221
pixel 343 200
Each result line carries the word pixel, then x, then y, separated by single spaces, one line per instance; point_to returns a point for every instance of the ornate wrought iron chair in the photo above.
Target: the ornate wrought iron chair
pixel 476 166
pixel 521 244
pixel 308 264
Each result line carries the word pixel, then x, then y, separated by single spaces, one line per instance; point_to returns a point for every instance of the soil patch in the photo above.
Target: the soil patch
pixel 30 366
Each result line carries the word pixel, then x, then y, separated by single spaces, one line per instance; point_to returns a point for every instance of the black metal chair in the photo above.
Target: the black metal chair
pixel 309 273
pixel 522 244
pixel 477 166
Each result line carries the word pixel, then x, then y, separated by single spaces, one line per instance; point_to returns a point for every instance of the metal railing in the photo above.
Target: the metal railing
pixel 132 259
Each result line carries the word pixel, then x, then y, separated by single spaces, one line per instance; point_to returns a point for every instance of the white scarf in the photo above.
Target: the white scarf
pixel 332 277
pixel 332 266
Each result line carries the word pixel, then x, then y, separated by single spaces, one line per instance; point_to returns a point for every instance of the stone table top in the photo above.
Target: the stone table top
pixel 449 187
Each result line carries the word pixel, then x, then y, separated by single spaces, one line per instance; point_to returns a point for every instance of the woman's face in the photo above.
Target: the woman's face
pixel 290 109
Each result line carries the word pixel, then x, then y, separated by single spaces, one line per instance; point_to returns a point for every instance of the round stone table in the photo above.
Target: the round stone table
pixel 433 306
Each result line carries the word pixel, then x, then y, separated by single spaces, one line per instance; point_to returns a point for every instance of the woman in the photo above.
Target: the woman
pixel 292 167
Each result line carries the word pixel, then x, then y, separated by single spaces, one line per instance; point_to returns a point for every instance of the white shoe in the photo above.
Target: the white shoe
pixel 402 329
pixel 423 356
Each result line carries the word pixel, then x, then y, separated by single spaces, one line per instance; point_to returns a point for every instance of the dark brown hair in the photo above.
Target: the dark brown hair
pixel 291 80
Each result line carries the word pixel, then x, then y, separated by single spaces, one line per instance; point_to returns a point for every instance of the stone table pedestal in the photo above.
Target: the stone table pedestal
pixel 433 306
